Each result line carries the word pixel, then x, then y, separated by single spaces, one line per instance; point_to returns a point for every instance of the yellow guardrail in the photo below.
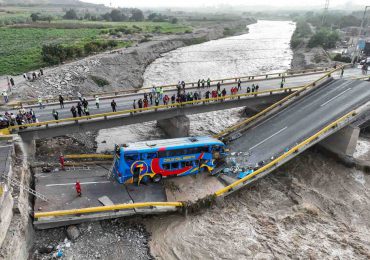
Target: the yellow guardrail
pixel 88 156
pixel 132 111
pixel 268 109
pixel 131 91
pixel 277 160
pixel 362 78
pixel 106 208
pixel 218 193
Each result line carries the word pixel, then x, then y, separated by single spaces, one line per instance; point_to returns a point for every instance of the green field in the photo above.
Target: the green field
pixel 20 48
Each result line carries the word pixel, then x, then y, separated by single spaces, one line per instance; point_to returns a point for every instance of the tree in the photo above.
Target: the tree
pixel 137 15
pixel 71 15
pixel 117 16
pixel 35 17
pixel 174 20
pixel 152 16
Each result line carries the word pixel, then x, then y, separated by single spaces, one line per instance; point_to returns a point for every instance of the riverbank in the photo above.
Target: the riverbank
pixel 119 69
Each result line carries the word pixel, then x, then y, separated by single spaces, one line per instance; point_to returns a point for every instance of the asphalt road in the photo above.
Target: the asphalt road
pixel 300 120
pixel 126 102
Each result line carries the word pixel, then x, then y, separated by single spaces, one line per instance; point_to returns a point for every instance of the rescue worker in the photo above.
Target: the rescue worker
pixel 97 101
pixel 61 101
pixel 55 114
pixel 61 161
pixel 113 104
pixel 209 82
pixel 78 188
pixel 161 92
pixel 74 111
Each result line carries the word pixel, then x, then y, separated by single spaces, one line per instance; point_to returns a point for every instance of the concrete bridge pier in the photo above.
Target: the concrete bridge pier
pixel 343 143
pixel 29 148
pixel 178 126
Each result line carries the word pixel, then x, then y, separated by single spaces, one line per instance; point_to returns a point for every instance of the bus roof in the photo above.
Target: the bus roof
pixel 170 144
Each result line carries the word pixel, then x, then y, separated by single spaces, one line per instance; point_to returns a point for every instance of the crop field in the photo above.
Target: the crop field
pixel 20 46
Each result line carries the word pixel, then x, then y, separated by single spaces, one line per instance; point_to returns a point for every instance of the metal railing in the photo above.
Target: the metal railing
pixel 280 102
pixel 155 108
pixel 224 81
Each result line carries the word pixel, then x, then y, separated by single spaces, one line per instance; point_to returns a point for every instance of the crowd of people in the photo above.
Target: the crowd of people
pixel 154 97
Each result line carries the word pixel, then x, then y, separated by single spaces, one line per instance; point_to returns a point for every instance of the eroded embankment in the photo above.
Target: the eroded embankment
pixel 123 69
pixel 311 208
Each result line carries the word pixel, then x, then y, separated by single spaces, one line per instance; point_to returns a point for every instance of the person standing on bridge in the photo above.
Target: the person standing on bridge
pixel 239 84
pixel 198 83
pixel 248 89
pixel 218 86
pixel 145 102
pixel 78 188
pixel 203 83
pixel 74 111
pixel 39 100
pixel 140 103
pixel 97 101
pixel 151 98
pixel 113 104
pixel 156 100
pixel 161 92
pixel 257 87
pixel 173 98
pixel 86 111
pixel 55 114
pixel 5 95
pixel 281 84
pixel 61 101
pixel 85 103
pixel 79 109
pixel 341 72
pixel 282 77
pixel 134 105
pixel 79 96
pixel 208 82
pixel 253 88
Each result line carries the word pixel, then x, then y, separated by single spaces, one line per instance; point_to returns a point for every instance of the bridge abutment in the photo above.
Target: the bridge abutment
pixel 343 143
pixel 30 148
pixel 178 126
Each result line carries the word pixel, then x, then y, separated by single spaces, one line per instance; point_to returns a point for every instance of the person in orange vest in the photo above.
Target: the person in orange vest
pixel 61 161
pixel 78 188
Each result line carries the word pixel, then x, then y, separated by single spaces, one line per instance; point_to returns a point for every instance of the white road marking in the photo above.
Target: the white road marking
pixel 278 132
pixel 341 93
pixel 73 183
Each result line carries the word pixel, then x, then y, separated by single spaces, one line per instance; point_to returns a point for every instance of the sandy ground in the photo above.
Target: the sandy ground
pixel 312 208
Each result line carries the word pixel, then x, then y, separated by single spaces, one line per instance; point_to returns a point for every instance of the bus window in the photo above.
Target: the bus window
pixel 148 156
pixel 131 157
pixel 166 166
pixel 151 155
pixel 182 164
pixel 188 163
pixel 175 165
pixel 204 149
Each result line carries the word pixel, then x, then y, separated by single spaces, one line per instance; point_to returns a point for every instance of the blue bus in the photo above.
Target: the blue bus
pixel 154 160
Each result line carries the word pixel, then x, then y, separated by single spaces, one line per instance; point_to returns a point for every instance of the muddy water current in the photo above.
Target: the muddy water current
pixel 312 208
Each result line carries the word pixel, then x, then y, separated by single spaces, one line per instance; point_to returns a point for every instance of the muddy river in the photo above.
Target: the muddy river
pixel 312 208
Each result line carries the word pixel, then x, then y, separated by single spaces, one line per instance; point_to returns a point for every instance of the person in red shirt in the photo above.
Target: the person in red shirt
pixel 78 188
pixel 61 161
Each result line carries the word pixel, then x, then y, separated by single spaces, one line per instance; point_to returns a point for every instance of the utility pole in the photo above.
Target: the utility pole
pixel 355 54
pixel 326 8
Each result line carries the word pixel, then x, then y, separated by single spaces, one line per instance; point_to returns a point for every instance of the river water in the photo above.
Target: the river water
pixel 264 49
pixel 312 208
